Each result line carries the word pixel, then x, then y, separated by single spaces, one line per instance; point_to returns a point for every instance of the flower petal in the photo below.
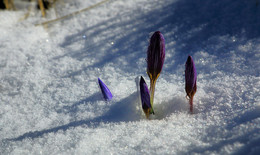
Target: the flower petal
pixel 145 97
pixel 105 91
pixel 155 55
pixel 190 77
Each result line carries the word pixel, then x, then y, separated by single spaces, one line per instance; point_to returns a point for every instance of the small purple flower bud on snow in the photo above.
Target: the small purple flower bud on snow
pixel 190 80
pixel 155 59
pixel 145 98
pixel 105 91
pixel 155 55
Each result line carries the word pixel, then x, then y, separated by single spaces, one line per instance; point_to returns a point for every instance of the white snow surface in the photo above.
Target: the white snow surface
pixel 50 102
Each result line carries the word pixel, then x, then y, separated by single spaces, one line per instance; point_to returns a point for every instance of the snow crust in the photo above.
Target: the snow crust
pixel 50 102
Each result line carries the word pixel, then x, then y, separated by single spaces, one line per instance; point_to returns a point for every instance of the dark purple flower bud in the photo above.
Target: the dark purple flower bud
pixel 145 97
pixel 155 59
pixel 155 55
pixel 190 80
pixel 105 91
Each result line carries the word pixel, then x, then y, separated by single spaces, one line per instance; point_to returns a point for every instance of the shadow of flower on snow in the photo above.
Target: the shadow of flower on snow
pixel 125 110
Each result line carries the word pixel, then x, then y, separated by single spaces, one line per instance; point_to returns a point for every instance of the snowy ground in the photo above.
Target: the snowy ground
pixel 50 102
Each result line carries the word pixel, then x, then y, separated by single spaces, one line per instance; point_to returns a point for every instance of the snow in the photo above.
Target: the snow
pixel 51 102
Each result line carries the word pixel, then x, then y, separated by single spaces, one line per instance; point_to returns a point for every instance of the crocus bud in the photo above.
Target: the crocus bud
pixel 105 91
pixel 155 59
pixel 190 80
pixel 145 98
pixel 155 55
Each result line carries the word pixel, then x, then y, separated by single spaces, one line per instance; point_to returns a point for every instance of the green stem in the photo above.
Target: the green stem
pixel 152 89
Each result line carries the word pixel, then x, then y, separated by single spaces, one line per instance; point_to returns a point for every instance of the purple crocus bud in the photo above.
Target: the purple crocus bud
pixel 190 80
pixel 145 97
pixel 155 55
pixel 105 91
pixel 155 59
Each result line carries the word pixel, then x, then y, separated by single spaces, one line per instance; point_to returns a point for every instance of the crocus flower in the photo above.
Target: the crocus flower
pixel 155 59
pixel 105 91
pixel 190 80
pixel 145 97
